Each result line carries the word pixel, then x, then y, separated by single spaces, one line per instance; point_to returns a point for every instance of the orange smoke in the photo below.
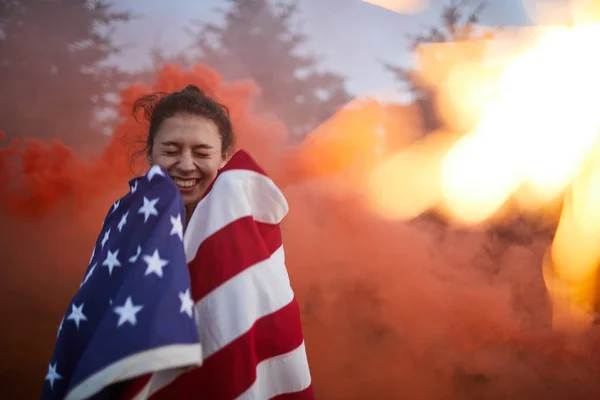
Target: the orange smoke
pixel 356 137
pixel 52 203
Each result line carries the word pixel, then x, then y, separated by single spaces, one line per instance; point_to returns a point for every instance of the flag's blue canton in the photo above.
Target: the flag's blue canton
pixel 135 296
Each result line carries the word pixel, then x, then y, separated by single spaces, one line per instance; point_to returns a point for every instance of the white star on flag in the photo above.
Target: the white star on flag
pixel 134 187
pixel 105 238
pixel 111 261
pixel 127 312
pixel 134 257
pixel 123 221
pixel 155 264
pixel 177 228
pixel 52 375
pixel 77 314
pixel 148 208
pixel 116 205
pixel 155 170
pixel 187 304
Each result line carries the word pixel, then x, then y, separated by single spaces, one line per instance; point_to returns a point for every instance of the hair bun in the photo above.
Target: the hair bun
pixel 195 89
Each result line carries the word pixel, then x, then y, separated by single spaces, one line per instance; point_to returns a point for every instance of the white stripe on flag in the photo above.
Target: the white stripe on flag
pixel 257 291
pixel 287 373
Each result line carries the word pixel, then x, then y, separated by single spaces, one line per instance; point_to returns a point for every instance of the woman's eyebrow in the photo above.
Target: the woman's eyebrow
pixel 170 143
pixel 197 146
pixel 202 146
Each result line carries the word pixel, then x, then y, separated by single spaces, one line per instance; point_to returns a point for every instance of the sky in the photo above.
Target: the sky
pixel 351 37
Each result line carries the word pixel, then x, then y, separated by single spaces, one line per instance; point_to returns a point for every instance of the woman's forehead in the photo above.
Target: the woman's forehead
pixel 193 130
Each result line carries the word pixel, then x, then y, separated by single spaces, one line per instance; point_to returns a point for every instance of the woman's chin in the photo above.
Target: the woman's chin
pixel 188 191
pixel 190 195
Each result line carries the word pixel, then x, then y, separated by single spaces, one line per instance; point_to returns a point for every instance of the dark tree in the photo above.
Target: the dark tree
pixel 459 22
pixel 258 41
pixel 52 78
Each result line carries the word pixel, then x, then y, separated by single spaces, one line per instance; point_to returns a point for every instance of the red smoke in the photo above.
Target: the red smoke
pixel 391 310
pixel 36 177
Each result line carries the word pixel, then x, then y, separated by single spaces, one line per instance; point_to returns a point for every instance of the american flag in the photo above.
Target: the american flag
pixel 247 316
pixel 133 313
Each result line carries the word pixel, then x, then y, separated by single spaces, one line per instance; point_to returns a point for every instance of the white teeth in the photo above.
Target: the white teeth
pixel 186 183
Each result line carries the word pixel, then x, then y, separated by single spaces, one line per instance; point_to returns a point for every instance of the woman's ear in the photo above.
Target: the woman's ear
pixel 224 160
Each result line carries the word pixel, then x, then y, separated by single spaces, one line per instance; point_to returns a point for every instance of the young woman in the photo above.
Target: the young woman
pixel 191 137
pixel 247 329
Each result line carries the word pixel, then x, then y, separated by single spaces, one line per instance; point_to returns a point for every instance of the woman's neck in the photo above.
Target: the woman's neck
pixel 189 211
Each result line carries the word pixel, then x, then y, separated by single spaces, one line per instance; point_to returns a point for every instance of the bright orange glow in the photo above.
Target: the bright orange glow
pixel 537 131
pixel 540 132
pixel 575 253
pixel 528 113
pixel 475 180
pixel 408 183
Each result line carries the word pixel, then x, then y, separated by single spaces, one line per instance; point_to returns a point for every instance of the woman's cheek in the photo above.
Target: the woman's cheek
pixel 209 168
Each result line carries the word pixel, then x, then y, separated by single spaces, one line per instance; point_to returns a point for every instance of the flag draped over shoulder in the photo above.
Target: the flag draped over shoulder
pixel 133 313
pixel 248 318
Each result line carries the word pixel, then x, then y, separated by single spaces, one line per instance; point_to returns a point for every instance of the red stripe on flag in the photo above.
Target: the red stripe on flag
pixel 234 248
pixel 135 386
pixel 306 394
pixel 232 370
pixel 240 160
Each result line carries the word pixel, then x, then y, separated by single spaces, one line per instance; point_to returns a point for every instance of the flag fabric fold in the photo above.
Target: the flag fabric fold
pixel 133 313
pixel 247 316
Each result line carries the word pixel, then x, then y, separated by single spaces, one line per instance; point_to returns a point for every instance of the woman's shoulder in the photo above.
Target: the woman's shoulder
pixel 243 184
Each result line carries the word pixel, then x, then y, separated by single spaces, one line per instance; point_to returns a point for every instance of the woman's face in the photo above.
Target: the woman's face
pixel 189 148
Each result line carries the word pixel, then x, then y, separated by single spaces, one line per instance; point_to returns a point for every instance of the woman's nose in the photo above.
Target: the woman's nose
pixel 186 162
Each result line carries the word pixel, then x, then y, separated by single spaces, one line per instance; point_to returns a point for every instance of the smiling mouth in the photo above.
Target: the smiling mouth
pixel 185 183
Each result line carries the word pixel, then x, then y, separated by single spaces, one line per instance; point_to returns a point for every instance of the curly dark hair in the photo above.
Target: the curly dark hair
pixel 157 107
